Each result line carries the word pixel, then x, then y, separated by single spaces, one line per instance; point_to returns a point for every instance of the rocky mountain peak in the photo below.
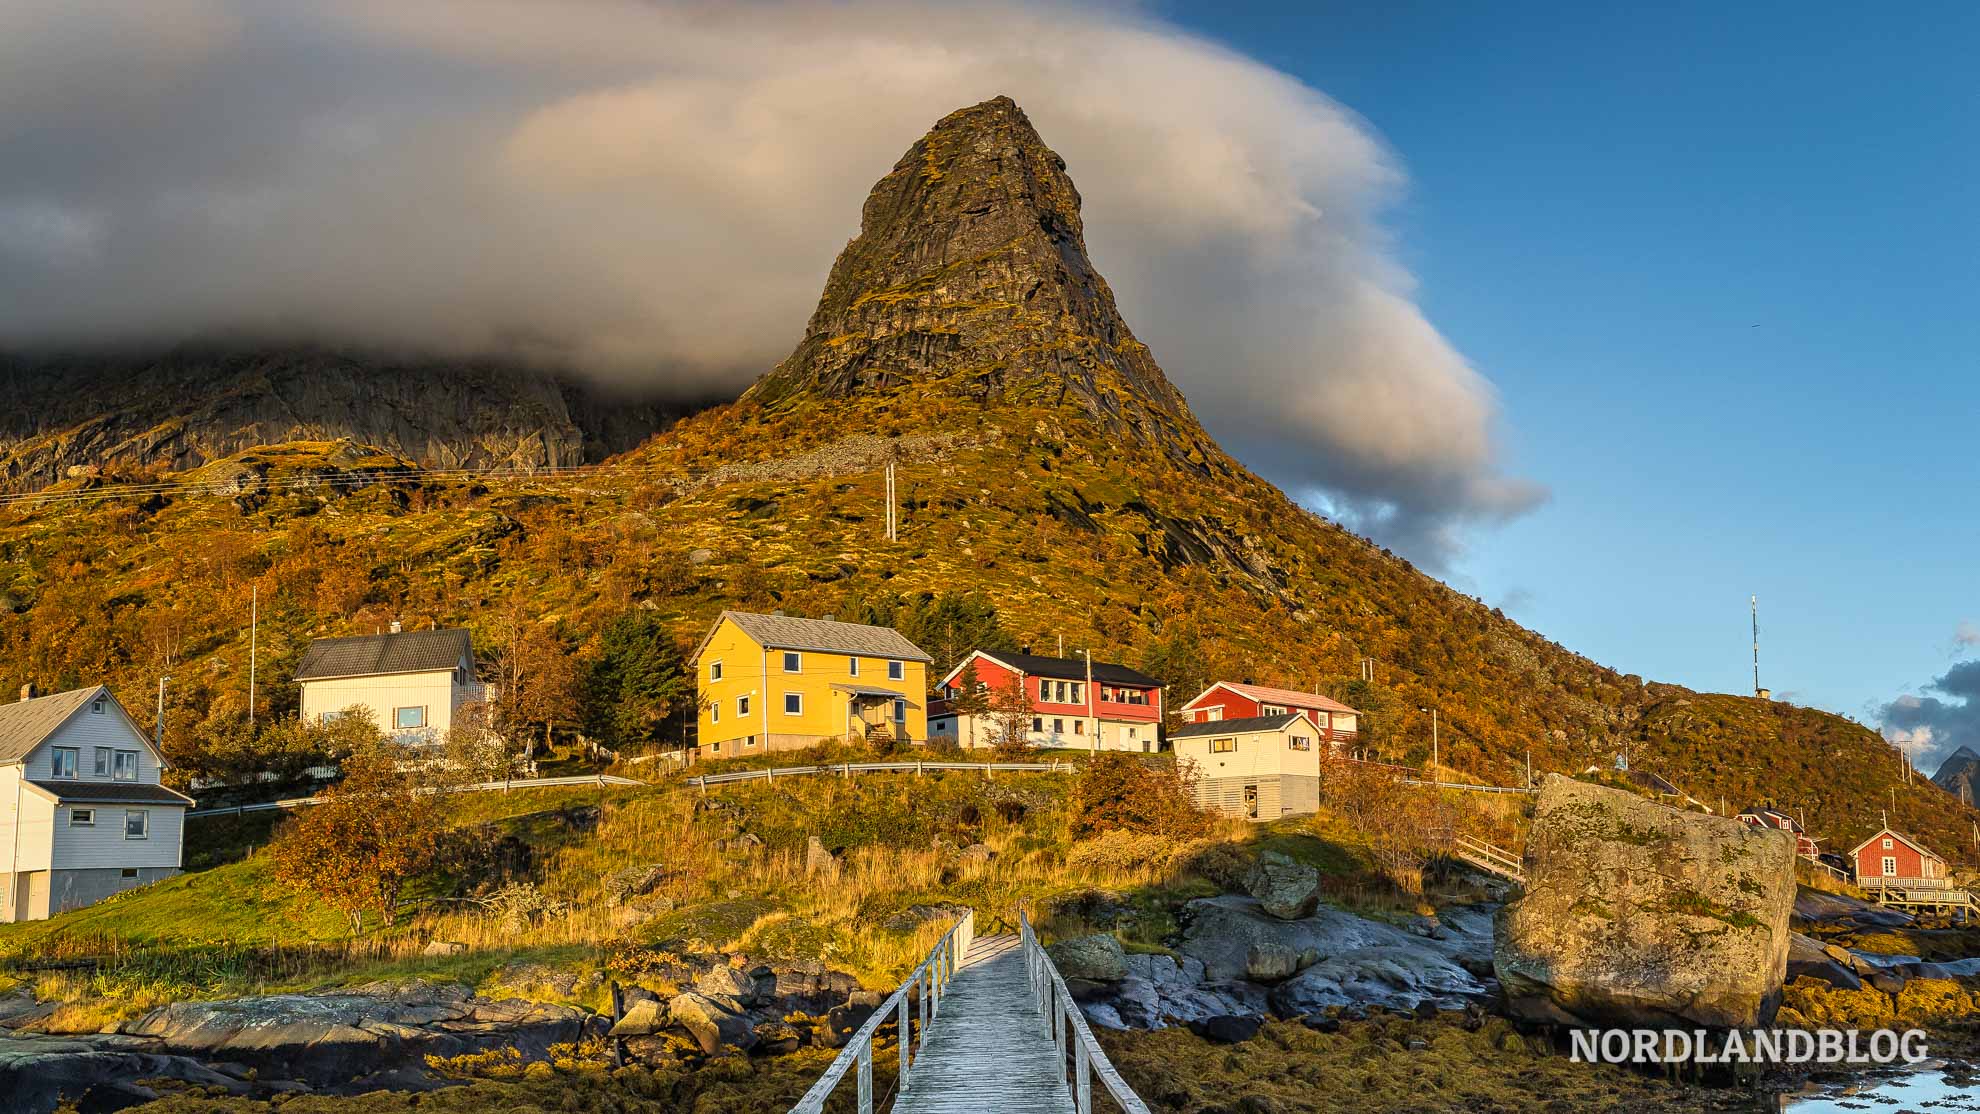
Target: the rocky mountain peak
pixel 970 276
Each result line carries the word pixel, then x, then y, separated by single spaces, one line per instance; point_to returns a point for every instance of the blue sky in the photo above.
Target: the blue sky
pixel 1720 262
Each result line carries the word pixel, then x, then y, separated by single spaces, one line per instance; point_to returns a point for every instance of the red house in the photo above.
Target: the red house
pixel 1759 817
pixel 1229 700
pixel 1099 707
pixel 1892 860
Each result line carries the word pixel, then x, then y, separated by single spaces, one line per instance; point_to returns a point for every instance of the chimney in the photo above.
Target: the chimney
pixel 395 626
pixel 28 691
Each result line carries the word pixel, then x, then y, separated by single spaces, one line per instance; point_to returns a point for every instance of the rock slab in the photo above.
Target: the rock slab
pixel 1635 914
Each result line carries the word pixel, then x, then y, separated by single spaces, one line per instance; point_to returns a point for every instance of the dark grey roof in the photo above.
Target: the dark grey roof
pixel 826 636
pixel 1237 726
pixel 25 723
pixel 111 793
pixel 1074 669
pixel 371 655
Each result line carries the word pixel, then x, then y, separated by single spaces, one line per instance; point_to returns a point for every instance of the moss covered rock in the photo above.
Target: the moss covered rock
pixel 1639 914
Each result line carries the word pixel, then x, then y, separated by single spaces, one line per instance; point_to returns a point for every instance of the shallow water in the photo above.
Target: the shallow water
pixel 1926 1089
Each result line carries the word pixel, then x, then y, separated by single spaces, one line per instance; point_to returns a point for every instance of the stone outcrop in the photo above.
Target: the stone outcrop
pixel 712 1022
pixel 1637 914
pixel 1095 958
pixel 1285 887
pixel 336 1035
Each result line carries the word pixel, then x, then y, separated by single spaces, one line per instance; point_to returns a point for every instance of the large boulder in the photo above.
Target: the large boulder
pixel 713 1024
pixel 1635 914
pixel 1285 887
pixel 1095 958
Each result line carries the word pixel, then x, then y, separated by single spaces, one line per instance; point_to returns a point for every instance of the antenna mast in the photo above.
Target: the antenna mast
pixel 1757 690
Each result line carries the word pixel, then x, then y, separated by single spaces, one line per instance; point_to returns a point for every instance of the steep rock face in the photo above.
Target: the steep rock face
pixel 970 275
pixel 1959 775
pixel 184 408
pixel 1635 914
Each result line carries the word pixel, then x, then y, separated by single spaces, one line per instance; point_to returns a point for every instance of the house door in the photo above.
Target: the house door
pixel 1251 802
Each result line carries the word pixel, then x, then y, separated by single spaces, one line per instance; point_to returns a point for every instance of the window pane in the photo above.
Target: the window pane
pixel 792 663
pixel 137 824
pixel 406 719
pixel 793 704
pixel 102 762
pixel 900 709
pixel 852 666
pixel 896 670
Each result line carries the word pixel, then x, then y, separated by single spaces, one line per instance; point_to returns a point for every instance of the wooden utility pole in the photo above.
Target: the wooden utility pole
pixel 254 643
pixel 893 527
pixel 1092 718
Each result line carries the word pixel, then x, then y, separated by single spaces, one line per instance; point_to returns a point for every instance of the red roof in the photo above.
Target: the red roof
pixel 1290 697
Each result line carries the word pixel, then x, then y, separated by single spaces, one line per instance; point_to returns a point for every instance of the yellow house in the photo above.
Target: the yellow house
pixel 775 682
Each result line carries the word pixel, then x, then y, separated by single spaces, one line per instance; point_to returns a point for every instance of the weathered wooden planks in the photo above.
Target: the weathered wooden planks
pixel 989 1049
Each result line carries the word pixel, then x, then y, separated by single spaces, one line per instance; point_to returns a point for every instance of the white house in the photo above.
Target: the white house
pixel 1258 767
pixel 412 682
pixel 82 814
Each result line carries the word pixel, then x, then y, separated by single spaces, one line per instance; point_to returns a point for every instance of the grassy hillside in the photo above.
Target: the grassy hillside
pixel 1066 532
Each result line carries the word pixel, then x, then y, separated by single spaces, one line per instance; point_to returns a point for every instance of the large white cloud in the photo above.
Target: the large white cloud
pixel 653 192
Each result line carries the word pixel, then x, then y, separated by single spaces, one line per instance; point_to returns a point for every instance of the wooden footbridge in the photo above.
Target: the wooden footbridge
pixel 1490 859
pixel 991 1027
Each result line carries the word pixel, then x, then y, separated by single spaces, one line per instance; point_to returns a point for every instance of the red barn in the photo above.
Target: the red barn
pixel 1892 860
pixel 1117 709
pixel 1229 700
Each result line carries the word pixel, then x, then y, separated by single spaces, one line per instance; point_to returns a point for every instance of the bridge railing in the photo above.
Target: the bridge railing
pixel 848 769
pixel 929 983
pixel 1056 1003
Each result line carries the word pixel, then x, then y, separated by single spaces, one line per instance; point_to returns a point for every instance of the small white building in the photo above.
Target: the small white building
pixel 413 683
pixel 1257 768
pixel 82 812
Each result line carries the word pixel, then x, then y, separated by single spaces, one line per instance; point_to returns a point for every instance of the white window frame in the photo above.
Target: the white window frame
pixel 852 665
pixel 742 704
pixel 143 817
pixel 789 697
pixel 424 719
pixel 715 670
pixel 900 709
pixel 124 765
pixel 100 761
pixel 897 671
pixel 82 818
pixel 1890 866
pixel 1888 845
pixel 793 656
pixel 714 711
pixel 97 705
pixel 55 755
pixel 1300 742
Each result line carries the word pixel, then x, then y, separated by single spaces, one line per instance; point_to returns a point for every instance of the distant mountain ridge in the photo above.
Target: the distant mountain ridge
pixel 1959 775
pixel 181 407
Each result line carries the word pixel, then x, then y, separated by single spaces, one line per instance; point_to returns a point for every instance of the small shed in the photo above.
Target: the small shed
pixel 1257 768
